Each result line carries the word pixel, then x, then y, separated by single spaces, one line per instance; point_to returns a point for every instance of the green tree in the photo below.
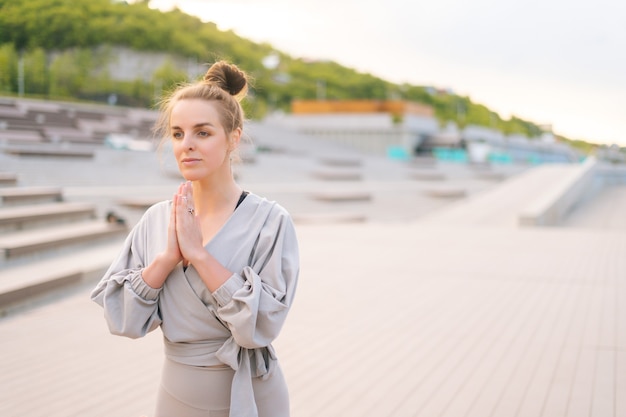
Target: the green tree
pixel 166 77
pixel 69 72
pixel 35 72
pixel 8 68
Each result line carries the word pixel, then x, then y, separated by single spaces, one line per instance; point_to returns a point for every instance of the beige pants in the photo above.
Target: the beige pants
pixel 191 391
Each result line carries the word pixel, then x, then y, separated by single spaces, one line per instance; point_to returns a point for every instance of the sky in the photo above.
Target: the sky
pixel 555 62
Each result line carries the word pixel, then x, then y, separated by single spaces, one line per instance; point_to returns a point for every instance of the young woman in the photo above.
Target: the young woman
pixel 216 267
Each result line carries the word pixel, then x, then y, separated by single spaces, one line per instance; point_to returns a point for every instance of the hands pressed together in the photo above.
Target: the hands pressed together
pixel 184 232
pixel 184 243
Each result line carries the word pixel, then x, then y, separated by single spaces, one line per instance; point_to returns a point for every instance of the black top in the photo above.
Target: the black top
pixel 241 198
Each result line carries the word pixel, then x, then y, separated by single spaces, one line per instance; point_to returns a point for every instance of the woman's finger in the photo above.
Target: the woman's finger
pixel 172 238
pixel 188 194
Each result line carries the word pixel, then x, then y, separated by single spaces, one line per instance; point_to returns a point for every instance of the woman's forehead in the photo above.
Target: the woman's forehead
pixel 194 111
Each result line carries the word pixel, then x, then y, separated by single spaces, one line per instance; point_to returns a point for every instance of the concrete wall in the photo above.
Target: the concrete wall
pixel 552 208
pixel 373 133
pixel 128 65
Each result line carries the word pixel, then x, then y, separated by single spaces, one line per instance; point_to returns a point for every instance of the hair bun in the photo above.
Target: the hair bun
pixel 227 77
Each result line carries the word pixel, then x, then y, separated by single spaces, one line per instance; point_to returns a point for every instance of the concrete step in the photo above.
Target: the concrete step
pixel 29 195
pixel 57 151
pixel 23 284
pixel 37 215
pixel 52 117
pixel 25 246
pixel 21 135
pixel 69 134
pixel 8 178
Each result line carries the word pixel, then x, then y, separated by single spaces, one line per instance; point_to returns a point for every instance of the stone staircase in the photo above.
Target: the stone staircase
pixel 36 128
pixel 48 244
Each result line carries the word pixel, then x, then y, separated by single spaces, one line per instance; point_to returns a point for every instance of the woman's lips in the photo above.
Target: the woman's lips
pixel 190 161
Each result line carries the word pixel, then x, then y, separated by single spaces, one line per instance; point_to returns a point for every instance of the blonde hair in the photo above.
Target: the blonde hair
pixel 223 83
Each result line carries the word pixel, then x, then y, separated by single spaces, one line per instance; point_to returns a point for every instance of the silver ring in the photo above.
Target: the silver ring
pixel 190 210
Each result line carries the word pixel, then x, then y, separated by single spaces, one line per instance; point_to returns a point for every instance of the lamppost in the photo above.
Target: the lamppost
pixel 271 63
pixel 20 74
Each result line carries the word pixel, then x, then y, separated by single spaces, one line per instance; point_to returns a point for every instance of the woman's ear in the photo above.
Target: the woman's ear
pixel 235 138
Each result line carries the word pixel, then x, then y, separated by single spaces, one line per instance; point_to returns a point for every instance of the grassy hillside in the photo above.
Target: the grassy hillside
pixel 64 48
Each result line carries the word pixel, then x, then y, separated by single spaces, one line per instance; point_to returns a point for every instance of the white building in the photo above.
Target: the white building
pixel 368 125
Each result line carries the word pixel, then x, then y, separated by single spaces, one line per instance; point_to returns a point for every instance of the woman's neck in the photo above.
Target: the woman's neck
pixel 214 197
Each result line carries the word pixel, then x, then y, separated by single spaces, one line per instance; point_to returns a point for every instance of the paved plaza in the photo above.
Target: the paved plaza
pixel 427 308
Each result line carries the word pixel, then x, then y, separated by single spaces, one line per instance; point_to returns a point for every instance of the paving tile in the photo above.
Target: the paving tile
pixel 391 319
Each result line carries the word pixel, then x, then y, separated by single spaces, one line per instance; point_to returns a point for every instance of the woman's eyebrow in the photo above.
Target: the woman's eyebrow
pixel 195 126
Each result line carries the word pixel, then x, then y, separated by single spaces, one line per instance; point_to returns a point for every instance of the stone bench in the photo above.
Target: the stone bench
pixel 427 175
pixel 446 192
pixel 341 196
pixel 19 245
pixel 27 217
pixel 342 161
pixel 29 195
pixel 321 218
pixel 8 178
pixel 336 174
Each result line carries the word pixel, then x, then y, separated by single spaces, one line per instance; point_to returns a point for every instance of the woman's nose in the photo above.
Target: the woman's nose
pixel 188 141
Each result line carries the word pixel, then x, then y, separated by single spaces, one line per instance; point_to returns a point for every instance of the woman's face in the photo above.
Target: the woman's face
pixel 201 146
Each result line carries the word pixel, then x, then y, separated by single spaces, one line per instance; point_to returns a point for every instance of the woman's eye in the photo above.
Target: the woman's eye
pixel 203 134
pixel 177 135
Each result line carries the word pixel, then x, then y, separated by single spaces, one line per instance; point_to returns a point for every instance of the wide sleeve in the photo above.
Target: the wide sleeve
pixel 130 305
pixel 254 303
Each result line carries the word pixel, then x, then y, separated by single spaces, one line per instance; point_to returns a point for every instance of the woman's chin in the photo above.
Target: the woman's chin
pixel 188 176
